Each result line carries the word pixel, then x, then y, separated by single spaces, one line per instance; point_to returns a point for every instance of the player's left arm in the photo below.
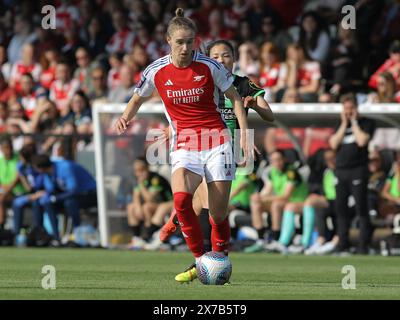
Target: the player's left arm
pixel 255 100
pixel 261 106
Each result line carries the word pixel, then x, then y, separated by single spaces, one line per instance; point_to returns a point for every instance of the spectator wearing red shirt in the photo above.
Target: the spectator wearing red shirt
pixel 386 90
pixel 391 65
pixel 113 77
pixel 301 73
pixel 123 92
pixel 123 38
pixel 270 69
pixel 26 65
pixel 64 87
pixel 67 15
pixel 48 62
pixel 235 13
pixel 30 95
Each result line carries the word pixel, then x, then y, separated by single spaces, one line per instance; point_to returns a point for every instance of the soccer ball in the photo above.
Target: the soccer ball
pixel 214 268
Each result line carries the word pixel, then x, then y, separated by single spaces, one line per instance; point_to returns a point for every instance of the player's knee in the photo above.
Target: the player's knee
pixel 255 198
pixel 278 204
pixel 182 201
pixel 290 207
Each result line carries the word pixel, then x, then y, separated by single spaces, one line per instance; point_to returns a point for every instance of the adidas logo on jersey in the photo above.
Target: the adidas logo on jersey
pixel 169 83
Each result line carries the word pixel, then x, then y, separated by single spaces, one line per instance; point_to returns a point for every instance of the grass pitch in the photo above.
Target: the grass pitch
pixel 114 274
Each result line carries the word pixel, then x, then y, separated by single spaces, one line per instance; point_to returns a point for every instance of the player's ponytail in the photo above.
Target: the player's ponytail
pixel 180 22
pixel 179 12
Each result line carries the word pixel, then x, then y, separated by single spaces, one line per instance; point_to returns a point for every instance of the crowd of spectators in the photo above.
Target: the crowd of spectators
pixel 298 51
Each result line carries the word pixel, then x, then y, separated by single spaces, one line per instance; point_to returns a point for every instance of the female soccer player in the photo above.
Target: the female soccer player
pixel 223 52
pixel 188 84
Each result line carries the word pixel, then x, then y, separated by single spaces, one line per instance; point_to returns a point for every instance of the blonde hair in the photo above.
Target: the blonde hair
pixel 180 22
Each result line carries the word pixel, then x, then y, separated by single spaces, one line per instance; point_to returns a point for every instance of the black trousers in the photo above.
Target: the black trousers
pixel 353 182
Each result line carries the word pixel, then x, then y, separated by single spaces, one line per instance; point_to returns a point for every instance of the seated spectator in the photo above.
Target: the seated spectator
pixel 314 37
pixel 66 185
pixel 28 177
pixel 67 15
pixel 386 90
pixel 248 60
pixel 45 117
pixel 99 84
pixel 377 179
pixel 30 94
pixel 71 43
pixel 26 65
pixel 301 73
pixel 48 63
pixel 94 37
pixel 123 38
pixel 151 201
pixel 22 34
pixel 140 60
pixel 270 69
pixel 283 191
pixel 321 205
pixel 124 92
pixel 114 77
pixel 243 186
pixel 17 122
pixel 158 47
pixel 8 174
pixel 81 113
pixel 63 88
pixel 391 65
pixel 391 189
pixel 83 71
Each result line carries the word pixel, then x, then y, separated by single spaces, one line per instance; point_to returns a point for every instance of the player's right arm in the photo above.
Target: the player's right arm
pixel 130 111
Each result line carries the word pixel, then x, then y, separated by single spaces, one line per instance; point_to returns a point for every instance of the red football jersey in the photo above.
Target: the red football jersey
pixel 190 96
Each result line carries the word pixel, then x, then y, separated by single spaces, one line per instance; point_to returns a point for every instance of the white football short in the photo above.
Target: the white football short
pixel 216 164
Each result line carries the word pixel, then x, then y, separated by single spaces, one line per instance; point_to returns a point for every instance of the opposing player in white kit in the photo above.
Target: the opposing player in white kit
pixel 189 84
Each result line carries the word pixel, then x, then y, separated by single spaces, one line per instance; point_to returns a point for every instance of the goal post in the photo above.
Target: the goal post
pixel 114 154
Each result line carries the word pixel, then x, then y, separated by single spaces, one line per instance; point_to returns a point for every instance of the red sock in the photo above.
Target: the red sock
pixel 189 222
pixel 220 235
